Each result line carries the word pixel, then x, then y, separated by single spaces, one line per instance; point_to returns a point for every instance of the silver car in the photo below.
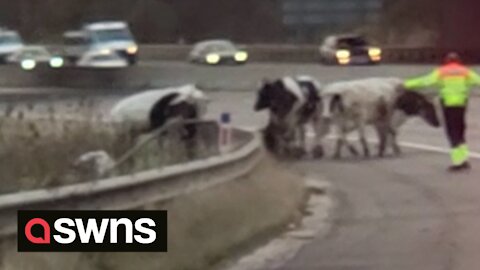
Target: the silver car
pixel 10 42
pixel 29 57
pixel 348 49
pixel 112 36
pixel 215 52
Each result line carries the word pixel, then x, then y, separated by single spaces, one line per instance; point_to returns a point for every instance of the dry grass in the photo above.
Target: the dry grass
pixel 204 227
pixel 40 153
pixel 36 153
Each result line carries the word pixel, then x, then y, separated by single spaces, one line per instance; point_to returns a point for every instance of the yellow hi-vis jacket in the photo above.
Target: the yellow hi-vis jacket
pixel 454 81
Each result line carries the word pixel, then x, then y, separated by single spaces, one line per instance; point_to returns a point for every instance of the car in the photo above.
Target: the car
pixel 29 57
pixel 10 42
pixel 75 45
pixel 102 59
pixel 349 49
pixel 106 36
pixel 215 52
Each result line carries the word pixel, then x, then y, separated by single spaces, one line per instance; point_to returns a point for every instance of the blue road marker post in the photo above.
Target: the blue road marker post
pixel 225 130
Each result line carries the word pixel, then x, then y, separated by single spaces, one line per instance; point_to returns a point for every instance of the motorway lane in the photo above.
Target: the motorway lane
pixel 393 213
pixel 247 77
pixel 396 214
pixel 168 73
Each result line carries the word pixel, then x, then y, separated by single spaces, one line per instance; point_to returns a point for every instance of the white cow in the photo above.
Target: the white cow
pixel 154 109
pixel 381 102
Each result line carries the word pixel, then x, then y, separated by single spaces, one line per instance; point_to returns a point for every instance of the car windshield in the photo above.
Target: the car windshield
pixel 34 53
pixel 221 47
pixel 352 42
pixel 112 35
pixel 10 39
pixel 74 41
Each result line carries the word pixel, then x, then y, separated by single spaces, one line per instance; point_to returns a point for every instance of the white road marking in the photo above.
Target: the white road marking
pixel 436 149
pixel 413 145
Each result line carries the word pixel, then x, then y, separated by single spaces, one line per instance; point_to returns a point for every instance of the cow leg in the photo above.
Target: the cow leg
pixel 301 136
pixel 285 146
pixel 297 142
pixel 338 148
pixel 363 140
pixel 341 141
pixel 353 150
pixel 393 136
pixel 286 143
pixel 382 137
pixel 318 151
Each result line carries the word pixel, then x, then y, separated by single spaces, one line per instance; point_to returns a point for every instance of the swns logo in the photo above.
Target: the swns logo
pixel 92 231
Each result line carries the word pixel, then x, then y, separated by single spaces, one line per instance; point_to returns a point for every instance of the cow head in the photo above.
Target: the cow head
pixel 264 96
pixel 275 97
pixel 186 103
pixel 415 104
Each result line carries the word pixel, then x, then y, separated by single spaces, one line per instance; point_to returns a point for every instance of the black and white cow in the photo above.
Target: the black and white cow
pixel 380 102
pixel 292 104
pixel 150 110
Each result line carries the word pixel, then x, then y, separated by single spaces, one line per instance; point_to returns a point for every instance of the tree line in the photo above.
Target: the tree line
pixel 412 22
pixel 152 21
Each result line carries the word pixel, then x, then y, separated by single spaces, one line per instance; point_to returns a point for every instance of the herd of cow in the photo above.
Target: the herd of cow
pixel 293 103
pixel 345 107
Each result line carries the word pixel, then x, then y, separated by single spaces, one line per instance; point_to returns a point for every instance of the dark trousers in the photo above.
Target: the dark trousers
pixel 455 125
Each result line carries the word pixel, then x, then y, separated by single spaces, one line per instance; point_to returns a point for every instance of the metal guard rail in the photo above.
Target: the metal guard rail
pixel 137 190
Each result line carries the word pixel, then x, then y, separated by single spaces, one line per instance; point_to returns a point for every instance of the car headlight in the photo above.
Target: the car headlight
pixel 132 49
pixel 105 51
pixel 213 58
pixel 241 56
pixel 56 62
pixel 28 64
pixel 374 52
pixel 342 54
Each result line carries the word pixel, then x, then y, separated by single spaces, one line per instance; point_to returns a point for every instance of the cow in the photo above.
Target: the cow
pixel 153 109
pixel 292 104
pixel 379 102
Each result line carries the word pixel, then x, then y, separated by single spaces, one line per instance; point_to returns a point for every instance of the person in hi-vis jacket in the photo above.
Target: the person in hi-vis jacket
pixel 454 80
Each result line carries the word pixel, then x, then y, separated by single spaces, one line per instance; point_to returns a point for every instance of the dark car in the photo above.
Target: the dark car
pixel 349 49
pixel 215 52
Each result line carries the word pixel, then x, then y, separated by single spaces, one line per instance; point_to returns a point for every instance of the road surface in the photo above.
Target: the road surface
pixel 393 213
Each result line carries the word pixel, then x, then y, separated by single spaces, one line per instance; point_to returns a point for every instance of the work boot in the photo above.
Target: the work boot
pixel 461 167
